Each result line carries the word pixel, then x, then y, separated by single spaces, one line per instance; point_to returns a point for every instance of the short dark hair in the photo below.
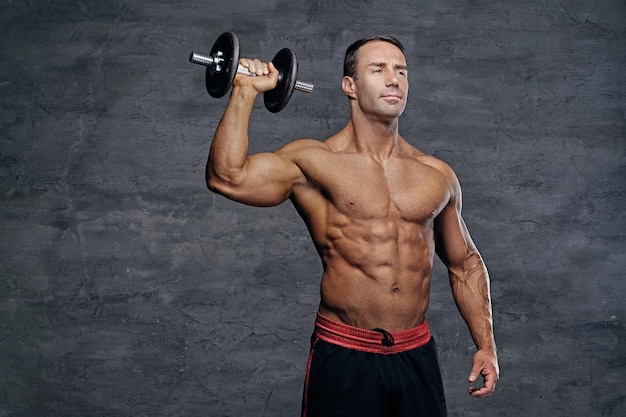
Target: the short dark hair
pixel 349 62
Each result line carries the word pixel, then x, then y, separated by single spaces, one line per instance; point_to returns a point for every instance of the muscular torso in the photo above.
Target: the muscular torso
pixel 372 224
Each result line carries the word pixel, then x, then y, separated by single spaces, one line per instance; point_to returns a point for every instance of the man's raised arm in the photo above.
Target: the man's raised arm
pixel 263 179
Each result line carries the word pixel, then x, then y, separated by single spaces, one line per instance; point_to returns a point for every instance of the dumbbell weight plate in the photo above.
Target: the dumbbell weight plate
pixel 287 65
pixel 218 82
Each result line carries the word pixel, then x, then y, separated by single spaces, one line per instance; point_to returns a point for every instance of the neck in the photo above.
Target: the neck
pixel 379 138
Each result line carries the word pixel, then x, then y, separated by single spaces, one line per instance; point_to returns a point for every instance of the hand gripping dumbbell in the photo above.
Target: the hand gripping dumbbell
pixel 223 64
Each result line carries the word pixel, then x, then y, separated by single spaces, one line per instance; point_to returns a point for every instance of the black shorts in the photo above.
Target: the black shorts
pixel 354 372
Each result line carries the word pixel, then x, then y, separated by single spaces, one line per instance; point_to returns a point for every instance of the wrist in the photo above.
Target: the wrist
pixel 245 92
pixel 487 347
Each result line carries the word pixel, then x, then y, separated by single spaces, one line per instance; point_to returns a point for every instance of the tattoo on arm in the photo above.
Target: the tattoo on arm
pixel 473 277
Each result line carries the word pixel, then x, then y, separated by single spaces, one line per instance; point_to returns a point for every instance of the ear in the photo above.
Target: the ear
pixel 349 86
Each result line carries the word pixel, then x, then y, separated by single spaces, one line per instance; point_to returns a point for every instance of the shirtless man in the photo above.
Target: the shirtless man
pixel 377 210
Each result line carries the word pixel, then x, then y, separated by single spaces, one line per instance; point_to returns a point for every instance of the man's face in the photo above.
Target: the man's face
pixel 380 83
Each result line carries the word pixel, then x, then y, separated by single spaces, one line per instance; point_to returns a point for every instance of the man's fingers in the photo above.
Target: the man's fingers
pixel 489 384
pixel 475 372
pixel 485 365
pixel 254 66
pixel 479 392
pixel 264 75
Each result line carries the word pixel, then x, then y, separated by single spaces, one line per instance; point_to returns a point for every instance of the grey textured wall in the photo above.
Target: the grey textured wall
pixel 128 289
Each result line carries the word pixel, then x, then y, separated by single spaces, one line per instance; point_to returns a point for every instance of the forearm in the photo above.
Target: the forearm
pixel 229 148
pixel 471 291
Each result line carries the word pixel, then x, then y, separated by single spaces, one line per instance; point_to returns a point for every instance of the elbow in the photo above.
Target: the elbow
pixel 220 182
pixel 215 183
pixel 212 184
pixel 209 178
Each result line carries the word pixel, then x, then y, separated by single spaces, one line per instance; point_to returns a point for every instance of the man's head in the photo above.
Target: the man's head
pixel 376 80
pixel 350 60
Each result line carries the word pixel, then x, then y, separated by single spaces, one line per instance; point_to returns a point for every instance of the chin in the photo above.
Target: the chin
pixel 394 113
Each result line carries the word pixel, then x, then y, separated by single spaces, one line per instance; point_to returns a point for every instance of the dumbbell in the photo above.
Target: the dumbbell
pixel 223 64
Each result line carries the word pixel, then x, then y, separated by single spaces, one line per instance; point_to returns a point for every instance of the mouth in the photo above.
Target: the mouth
pixel 392 97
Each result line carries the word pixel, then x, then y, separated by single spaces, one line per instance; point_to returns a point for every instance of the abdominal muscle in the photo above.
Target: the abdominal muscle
pixel 377 274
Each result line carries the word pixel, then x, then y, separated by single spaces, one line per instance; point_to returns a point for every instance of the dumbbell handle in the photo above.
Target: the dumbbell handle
pixel 208 61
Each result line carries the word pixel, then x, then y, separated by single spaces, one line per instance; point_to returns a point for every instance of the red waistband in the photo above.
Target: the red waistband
pixel 373 341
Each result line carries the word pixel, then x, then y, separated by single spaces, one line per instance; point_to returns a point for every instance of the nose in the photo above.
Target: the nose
pixel 392 79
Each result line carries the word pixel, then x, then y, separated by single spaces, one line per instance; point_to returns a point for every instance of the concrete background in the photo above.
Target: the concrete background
pixel 128 289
